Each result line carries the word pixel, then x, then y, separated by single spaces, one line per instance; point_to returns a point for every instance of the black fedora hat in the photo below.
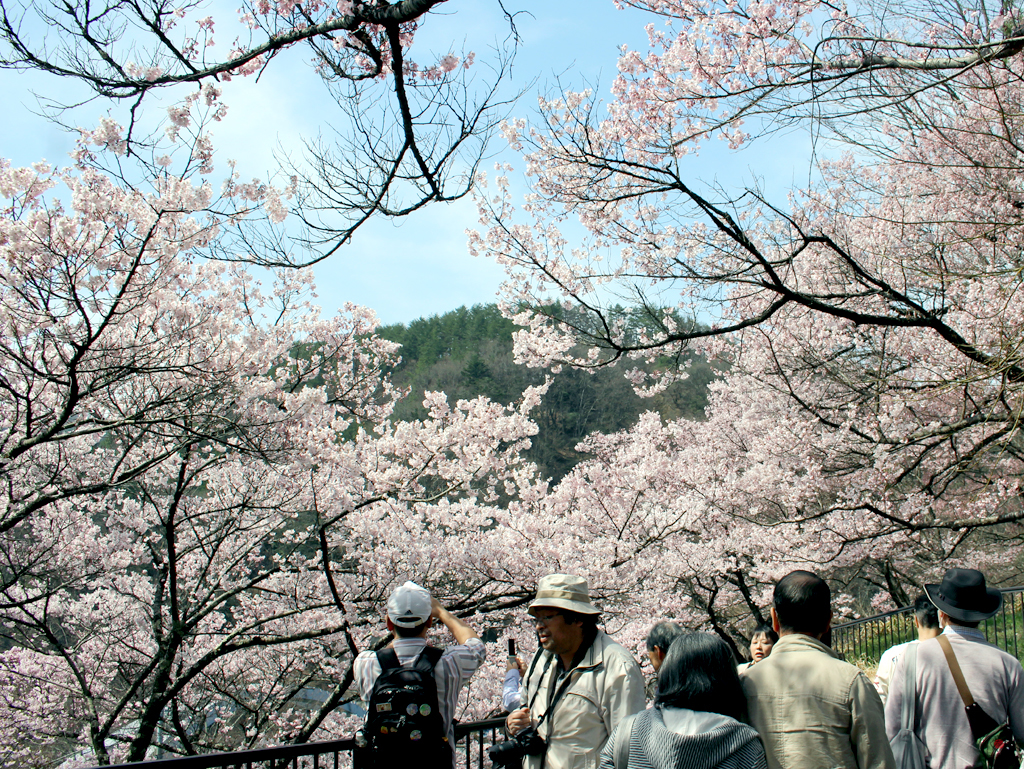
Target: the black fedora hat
pixel 964 596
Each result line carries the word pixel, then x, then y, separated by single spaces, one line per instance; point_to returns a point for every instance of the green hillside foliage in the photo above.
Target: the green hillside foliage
pixel 468 352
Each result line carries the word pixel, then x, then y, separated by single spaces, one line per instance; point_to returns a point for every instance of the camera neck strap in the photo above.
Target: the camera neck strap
pixel 567 681
pixel 553 697
pixel 529 673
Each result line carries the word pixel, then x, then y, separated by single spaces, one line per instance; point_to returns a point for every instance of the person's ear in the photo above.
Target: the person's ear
pixel 391 625
pixel 775 621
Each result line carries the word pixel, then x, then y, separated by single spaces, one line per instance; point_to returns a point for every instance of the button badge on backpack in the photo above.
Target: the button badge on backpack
pixel 415 735
pixel 424 710
pixel 410 709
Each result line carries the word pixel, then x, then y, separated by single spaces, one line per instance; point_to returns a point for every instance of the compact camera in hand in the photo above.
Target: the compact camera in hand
pixel 525 742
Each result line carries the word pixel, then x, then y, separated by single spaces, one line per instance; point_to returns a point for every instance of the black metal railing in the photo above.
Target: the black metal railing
pixel 472 740
pixel 864 640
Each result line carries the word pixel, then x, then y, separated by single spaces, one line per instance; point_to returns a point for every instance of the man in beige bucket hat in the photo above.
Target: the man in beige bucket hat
pixel 580 684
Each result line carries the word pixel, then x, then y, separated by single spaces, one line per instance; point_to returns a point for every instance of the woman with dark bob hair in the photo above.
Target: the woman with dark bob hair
pixel 696 719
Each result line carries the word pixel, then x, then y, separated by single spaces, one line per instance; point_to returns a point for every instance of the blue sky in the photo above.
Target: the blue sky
pixel 418 266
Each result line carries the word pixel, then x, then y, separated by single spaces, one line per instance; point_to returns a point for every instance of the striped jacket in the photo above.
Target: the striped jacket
pixel 677 738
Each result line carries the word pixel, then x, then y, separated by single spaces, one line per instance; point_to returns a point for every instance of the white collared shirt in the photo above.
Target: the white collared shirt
pixel 996 681
pixel 967 632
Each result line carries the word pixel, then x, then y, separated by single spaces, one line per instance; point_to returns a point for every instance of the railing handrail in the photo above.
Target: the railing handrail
pixel 284 752
pixel 865 640
pixel 874 617
pixel 904 610
pixel 241 757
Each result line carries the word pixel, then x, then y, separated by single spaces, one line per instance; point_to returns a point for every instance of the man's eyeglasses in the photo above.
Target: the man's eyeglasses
pixel 538 620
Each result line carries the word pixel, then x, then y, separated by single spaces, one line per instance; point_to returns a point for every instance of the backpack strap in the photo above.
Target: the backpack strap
pixel 425 662
pixel 427 659
pixel 387 659
pixel 622 742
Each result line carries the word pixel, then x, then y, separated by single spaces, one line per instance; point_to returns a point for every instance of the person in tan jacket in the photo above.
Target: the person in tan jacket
pixel 812 710
pixel 580 684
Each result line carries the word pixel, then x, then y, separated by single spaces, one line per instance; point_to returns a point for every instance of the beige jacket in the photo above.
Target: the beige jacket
pixel 606 687
pixel 814 711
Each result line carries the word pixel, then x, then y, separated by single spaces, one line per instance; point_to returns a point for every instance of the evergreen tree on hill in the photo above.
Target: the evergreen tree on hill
pixel 468 352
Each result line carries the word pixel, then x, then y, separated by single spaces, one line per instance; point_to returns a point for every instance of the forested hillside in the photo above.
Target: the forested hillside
pixel 468 352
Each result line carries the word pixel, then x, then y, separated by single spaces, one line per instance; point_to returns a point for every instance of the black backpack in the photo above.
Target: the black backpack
pixel 403 720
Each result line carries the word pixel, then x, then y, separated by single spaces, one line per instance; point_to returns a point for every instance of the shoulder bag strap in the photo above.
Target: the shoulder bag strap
pixel 908 712
pixel 981 722
pixel 954 668
pixel 622 742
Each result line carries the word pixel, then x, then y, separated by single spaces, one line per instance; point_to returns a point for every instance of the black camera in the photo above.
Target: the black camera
pixel 525 742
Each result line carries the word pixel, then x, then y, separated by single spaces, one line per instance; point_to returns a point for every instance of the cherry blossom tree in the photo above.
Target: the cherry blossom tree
pixel 403 134
pixel 870 418
pixel 205 499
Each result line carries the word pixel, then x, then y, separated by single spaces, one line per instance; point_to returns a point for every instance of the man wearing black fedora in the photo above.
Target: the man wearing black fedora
pixel 995 679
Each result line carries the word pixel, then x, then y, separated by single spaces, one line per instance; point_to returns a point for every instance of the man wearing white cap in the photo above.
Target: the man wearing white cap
pixel 580 684
pixel 411 612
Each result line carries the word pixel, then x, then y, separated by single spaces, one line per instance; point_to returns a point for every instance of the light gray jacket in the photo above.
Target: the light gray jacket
pixel 606 687
pixel 814 711
pixel 994 677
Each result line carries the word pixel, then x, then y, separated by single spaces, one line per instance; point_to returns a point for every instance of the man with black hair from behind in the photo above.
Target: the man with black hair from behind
pixel 926 623
pixel 659 639
pixel 811 709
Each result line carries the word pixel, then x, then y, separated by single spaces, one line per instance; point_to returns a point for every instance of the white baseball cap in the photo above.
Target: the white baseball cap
pixel 409 605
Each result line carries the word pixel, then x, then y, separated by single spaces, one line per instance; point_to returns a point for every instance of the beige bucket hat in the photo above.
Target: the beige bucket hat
pixel 563 591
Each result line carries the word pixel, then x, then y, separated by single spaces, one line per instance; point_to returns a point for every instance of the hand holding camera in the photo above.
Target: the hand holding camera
pixel 524 742
pixel 518 720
